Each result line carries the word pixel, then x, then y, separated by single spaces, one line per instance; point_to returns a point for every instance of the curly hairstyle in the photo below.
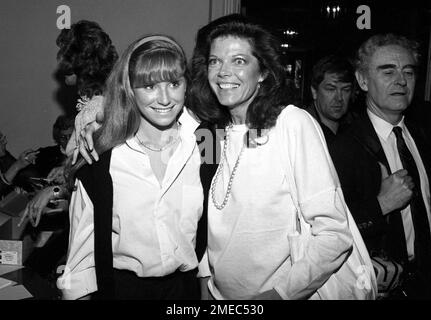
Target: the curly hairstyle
pixel 272 96
pixel 370 46
pixel 87 51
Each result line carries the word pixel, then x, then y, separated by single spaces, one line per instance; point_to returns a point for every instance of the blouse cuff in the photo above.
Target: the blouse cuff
pixel 77 285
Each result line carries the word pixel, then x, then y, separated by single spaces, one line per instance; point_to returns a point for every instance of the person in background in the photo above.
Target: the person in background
pixel 384 163
pixel 86 56
pixel 11 167
pixel 53 156
pixel 48 165
pixel 43 177
pixel 332 86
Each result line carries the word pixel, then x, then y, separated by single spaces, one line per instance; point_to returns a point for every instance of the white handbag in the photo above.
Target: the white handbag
pixel 355 279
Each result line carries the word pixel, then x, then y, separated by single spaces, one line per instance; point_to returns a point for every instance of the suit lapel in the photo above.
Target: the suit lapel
pixel 365 134
pixel 393 240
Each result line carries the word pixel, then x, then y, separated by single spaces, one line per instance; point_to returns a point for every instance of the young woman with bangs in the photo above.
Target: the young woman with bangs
pixel 134 213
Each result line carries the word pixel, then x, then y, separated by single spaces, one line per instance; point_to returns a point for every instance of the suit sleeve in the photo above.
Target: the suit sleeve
pixel 360 179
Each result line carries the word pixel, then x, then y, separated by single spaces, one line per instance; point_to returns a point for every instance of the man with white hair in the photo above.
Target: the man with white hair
pixel 384 163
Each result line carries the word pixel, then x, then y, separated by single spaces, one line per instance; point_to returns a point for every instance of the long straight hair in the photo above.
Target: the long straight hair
pixel 146 61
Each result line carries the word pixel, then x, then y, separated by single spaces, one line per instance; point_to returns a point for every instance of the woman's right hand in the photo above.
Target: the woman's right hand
pixel 85 141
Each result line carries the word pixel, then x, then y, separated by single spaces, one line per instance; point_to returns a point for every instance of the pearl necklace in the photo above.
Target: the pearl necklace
pixel 220 169
pixel 169 144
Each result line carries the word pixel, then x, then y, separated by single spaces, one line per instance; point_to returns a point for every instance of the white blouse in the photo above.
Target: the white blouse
pixel 154 226
pixel 248 249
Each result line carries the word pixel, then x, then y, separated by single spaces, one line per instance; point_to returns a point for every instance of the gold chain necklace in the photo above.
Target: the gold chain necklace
pixel 169 144
pixel 219 170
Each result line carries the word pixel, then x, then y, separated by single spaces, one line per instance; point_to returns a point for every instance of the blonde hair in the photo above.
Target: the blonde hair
pixel 146 61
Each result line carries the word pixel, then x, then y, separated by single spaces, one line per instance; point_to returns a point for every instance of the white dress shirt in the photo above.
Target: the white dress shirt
pixel 388 141
pixel 154 226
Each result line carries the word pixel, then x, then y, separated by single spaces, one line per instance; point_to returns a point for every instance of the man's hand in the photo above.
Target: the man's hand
pixel 395 190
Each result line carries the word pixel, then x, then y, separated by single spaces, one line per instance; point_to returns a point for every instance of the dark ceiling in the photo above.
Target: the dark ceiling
pixel 319 35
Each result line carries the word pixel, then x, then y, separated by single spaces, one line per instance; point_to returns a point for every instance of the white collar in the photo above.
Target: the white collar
pixel 188 122
pixel 382 127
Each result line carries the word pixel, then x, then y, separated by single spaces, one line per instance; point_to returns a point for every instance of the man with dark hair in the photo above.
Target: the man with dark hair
pixel 384 163
pixel 331 87
pixel 53 156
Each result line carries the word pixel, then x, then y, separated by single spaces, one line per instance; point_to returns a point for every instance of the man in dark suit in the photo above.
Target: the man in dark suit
pixel 49 157
pixel 332 84
pixel 384 162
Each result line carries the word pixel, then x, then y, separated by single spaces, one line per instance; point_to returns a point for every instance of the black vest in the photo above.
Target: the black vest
pixel 97 181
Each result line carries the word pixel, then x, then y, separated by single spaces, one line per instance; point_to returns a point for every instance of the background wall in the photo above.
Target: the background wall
pixel 28 88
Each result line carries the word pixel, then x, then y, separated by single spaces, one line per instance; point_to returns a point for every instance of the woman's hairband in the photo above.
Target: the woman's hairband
pixel 158 37
pixel 145 40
